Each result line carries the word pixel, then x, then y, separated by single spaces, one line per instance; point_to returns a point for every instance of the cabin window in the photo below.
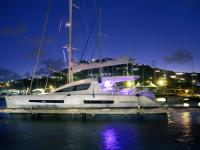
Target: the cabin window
pixel 80 87
pixel 69 89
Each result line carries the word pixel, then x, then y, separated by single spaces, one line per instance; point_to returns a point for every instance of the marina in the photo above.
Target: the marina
pixel 99 75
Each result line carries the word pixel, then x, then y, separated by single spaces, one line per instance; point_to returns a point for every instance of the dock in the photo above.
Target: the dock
pixel 96 111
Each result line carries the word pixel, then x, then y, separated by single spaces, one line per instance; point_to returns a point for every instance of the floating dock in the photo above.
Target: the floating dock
pixel 96 111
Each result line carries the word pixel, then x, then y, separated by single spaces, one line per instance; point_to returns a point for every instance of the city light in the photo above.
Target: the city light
pixel 186 105
pixel 147 81
pixel 129 84
pixel 51 87
pixel 186 91
pixel 162 82
pixel 157 71
pixel 7 84
pixel 179 73
pixel 173 76
pixel 161 99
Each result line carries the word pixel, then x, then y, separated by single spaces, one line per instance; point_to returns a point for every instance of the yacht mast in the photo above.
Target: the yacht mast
pixel 100 42
pixel 70 67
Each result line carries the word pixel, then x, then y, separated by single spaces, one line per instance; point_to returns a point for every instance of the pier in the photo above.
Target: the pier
pixel 96 111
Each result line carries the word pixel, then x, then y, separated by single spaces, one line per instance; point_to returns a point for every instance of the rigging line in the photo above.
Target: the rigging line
pixel 84 20
pixel 60 26
pixel 40 46
pixel 47 80
pixel 95 7
pixel 84 16
pixel 55 46
pixel 85 11
pixel 93 52
pixel 89 36
pixel 86 24
pixel 80 30
pixel 64 57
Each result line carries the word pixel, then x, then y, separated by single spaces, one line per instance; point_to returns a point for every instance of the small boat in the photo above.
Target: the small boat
pixel 88 93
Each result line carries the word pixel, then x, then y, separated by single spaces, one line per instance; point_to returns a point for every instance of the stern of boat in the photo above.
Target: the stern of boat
pixel 11 102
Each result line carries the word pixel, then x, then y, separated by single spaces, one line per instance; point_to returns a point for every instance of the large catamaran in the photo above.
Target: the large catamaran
pixel 101 92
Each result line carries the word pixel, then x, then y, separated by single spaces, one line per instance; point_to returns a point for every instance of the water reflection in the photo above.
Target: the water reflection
pixel 186 119
pixel 170 119
pixel 186 123
pixel 110 139
pixel 181 124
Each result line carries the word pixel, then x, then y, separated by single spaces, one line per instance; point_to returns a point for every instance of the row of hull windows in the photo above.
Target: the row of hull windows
pixel 79 87
pixel 47 101
pixel 98 101
pixel 85 101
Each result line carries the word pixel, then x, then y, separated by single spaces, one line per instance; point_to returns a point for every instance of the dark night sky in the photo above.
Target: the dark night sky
pixel 164 31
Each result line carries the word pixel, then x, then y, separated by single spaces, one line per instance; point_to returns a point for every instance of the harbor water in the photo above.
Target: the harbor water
pixel 176 131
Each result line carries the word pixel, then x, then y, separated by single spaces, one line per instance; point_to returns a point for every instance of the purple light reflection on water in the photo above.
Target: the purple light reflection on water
pixel 110 139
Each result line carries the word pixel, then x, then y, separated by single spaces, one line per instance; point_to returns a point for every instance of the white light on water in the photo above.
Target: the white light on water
pixel 199 104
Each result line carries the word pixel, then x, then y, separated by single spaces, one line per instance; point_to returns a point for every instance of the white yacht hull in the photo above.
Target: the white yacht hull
pixel 78 101
pixel 87 93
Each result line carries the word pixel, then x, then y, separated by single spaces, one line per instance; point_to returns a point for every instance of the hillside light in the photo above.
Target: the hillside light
pixel 182 79
pixel 161 99
pixel 186 99
pixel 193 81
pixel 173 76
pixel 162 82
pixel 186 105
pixel 186 91
pixel 7 84
pixel 51 87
